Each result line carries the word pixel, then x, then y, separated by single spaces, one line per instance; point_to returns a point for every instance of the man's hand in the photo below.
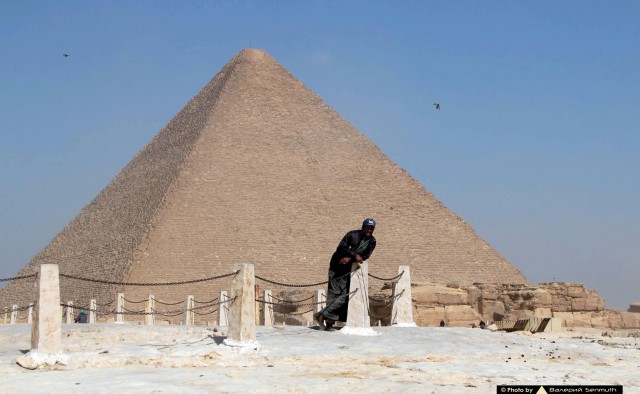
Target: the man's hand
pixel 345 260
pixel 359 258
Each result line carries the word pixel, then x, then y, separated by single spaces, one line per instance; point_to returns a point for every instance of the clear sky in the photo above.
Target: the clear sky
pixel 536 144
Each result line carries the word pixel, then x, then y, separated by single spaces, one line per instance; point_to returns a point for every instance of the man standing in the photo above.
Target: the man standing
pixel 82 317
pixel 355 246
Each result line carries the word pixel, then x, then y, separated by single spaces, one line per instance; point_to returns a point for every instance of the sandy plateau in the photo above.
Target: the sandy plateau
pixel 176 359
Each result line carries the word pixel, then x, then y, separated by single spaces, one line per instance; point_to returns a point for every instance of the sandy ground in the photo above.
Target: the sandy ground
pixel 292 359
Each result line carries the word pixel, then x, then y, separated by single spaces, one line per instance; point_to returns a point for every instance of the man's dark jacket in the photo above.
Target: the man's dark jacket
pixel 348 247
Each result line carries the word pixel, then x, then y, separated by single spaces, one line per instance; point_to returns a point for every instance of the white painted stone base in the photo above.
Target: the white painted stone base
pixel 361 331
pixel 34 360
pixel 405 325
pixel 244 347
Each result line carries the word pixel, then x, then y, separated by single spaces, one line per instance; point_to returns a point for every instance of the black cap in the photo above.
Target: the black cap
pixel 369 222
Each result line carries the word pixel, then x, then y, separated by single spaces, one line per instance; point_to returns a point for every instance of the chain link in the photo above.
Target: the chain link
pixel 386 299
pixel 278 299
pixel 168 303
pixel 286 303
pixel 208 313
pixel 292 285
pixel 387 279
pixel 108 282
pixel 206 302
pixel 18 277
pixel 135 302
pixel 20 308
pixel 163 313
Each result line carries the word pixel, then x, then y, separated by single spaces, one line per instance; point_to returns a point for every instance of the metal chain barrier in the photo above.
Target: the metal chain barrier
pixel 24 308
pixel 18 277
pixel 286 303
pixel 130 312
pixel 206 302
pixel 107 304
pixel 278 299
pixel 135 302
pixel 387 279
pixel 387 299
pixel 184 282
pixel 168 303
pixel 163 313
pixel 208 313
pixel 292 285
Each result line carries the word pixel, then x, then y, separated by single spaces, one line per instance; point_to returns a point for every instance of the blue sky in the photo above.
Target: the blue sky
pixel 536 145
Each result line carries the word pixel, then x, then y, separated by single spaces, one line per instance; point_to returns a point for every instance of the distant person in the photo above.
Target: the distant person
pixel 355 247
pixel 441 323
pixel 82 317
pixel 482 324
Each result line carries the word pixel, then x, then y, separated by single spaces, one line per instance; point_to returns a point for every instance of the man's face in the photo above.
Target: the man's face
pixel 367 231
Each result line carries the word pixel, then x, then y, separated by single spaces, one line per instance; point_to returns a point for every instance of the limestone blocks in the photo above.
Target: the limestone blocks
pixel 576 305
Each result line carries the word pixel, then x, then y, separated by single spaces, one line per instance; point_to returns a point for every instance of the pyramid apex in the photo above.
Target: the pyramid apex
pixel 252 54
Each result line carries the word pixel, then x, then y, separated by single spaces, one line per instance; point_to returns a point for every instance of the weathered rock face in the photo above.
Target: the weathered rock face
pixel 577 306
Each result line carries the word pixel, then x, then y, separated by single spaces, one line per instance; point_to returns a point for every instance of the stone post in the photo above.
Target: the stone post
pixel 69 312
pixel 93 307
pixel 554 325
pixel 223 309
pixel 30 314
pixel 358 315
pixel 46 331
pixel 320 300
pixel 188 311
pixel 267 309
pixel 402 310
pixel 120 308
pixel 150 317
pixel 14 314
pixel 242 320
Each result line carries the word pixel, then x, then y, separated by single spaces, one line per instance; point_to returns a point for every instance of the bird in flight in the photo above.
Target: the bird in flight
pixel 437 105
pixel 65 54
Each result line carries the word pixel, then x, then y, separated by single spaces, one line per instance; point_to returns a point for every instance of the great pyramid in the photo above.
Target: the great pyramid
pixel 256 168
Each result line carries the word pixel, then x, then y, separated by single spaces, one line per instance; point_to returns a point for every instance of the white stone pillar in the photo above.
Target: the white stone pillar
pixel 320 300
pixel 242 312
pixel 150 317
pixel 223 310
pixel 30 314
pixel 120 308
pixel 69 312
pixel 267 309
pixel 14 314
pixel 93 307
pixel 402 310
pixel 188 311
pixel 46 331
pixel 358 315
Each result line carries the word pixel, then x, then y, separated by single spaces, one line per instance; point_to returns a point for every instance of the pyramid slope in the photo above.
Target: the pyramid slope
pixel 257 168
